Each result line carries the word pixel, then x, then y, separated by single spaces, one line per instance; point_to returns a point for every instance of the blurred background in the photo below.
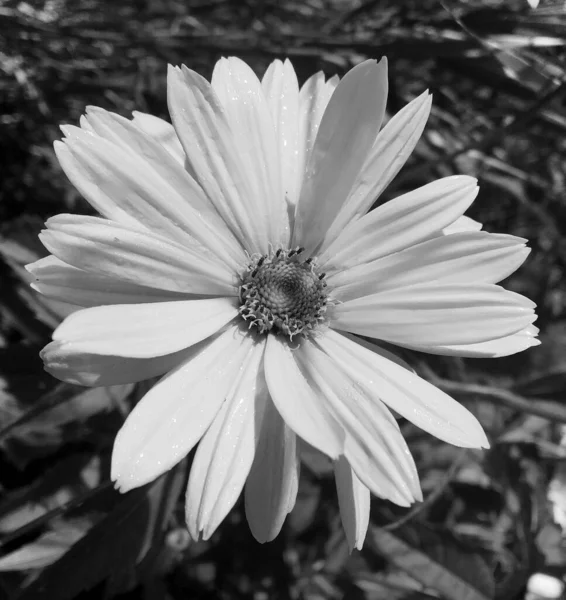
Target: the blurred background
pixel 490 521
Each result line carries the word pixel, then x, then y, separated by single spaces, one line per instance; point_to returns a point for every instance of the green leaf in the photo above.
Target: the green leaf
pixel 437 561
pixel 115 545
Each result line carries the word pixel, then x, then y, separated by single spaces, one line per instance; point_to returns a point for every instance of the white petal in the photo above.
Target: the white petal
pixel 162 132
pixel 272 484
pixel 462 224
pixel 58 280
pixel 354 502
pixel 97 370
pixel 107 248
pixel 374 446
pixel 391 149
pixel 213 156
pixel 189 206
pixel 225 454
pixel 242 97
pixel 436 314
pixel 457 258
pixel 505 346
pixel 299 404
pixel 412 397
pixel 281 90
pixel 313 100
pixel 345 136
pixel 171 418
pixel 401 223
pixel 380 350
pixel 144 330
pixel 130 178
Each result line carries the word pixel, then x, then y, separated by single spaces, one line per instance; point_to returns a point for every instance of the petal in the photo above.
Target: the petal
pixel 401 223
pixel 136 256
pixel 130 178
pixel 272 484
pixel 162 132
pixel 98 370
pixel 458 258
pixel 202 125
pixel 462 224
pixel 505 346
pixel 345 136
pixel 144 330
pixel 391 149
pixel 242 97
pixel 225 454
pixel 354 502
pixel 281 90
pixel 58 280
pixel 299 404
pixel 313 100
pixel 374 446
pixel 189 207
pixel 171 418
pixel 379 349
pixel 436 314
pixel 412 397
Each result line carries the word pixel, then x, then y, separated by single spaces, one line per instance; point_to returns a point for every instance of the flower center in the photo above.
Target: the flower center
pixel 283 295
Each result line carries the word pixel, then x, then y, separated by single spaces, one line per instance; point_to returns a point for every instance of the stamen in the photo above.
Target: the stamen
pixel 279 294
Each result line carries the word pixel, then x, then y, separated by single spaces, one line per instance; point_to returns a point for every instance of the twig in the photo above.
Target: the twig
pixel 549 410
pixel 432 497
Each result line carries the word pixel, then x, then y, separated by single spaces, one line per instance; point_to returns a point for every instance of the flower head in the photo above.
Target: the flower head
pixel 235 257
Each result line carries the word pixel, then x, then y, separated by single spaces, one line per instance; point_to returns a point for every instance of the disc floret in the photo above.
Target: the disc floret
pixel 282 294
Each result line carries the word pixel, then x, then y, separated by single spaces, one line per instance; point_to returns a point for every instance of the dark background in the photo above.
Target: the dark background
pixel 497 72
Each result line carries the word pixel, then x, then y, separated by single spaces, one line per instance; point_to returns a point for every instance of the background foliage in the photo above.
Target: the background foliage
pixel 489 520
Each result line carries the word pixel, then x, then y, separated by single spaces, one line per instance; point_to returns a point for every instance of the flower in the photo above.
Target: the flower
pixel 236 258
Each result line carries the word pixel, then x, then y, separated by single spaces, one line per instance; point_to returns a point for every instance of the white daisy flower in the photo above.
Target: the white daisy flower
pixel 234 258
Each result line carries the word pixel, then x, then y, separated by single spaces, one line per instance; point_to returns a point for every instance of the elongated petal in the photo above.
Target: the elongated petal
pixel 213 156
pixel 379 350
pixel 145 330
pixel 354 502
pixel 225 454
pixel 302 408
pixel 505 346
pixel 247 110
pixel 130 178
pixel 374 446
pixel 272 484
pixel 162 132
pixel 457 258
pixel 411 396
pixel 345 136
pixel 58 280
pixel 391 149
pixel 136 256
pixel 436 314
pixel 171 418
pixel 63 362
pixel 401 223
pixel 313 100
pixel 462 224
pixel 281 90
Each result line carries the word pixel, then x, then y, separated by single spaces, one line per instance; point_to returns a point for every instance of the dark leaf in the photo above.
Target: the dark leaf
pixel 115 545
pixel 551 386
pixel 47 548
pixel 436 560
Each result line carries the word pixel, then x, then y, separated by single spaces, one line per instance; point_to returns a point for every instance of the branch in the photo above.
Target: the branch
pixel 549 410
